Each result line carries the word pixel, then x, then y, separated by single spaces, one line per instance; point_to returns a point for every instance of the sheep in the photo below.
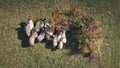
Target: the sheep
pixel 37 26
pixel 41 37
pixel 29 27
pixel 46 24
pixel 32 38
pixel 59 36
pixel 63 36
pixel 50 33
pixel 61 39
pixel 54 41
pixel 47 29
pixel 48 37
pixel 60 46
pixel 42 24
pixel 31 23
pixel 64 40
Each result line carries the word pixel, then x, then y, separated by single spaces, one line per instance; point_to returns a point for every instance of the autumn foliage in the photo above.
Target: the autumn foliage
pixel 55 14
pixel 87 32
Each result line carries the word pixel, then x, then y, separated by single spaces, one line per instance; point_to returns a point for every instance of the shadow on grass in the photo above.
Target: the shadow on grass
pixel 49 45
pixel 73 46
pixel 22 35
pixel 70 45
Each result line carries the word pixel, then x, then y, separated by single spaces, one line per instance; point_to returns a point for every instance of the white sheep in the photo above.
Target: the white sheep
pixel 64 40
pixel 37 26
pixel 29 27
pixel 59 36
pixel 63 36
pixel 54 41
pixel 41 37
pixel 42 24
pixel 47 29
pixel 32 38
pixel 49 33
pixel 46 22
pixel 60 46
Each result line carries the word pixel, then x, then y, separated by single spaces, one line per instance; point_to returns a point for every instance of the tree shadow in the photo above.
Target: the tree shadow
pixel 70 45
pixel 22 35
pixel 73 50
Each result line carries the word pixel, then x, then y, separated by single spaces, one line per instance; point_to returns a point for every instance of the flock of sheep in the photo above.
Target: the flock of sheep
pixel 42 30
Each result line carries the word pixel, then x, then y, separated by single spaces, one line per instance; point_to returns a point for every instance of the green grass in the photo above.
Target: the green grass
pixel 13 55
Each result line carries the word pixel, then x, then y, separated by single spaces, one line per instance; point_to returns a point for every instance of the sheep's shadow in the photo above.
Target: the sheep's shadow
pixel 49 45
pixel 22 35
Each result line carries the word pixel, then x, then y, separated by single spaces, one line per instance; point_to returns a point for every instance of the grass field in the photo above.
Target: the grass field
pixel 14 54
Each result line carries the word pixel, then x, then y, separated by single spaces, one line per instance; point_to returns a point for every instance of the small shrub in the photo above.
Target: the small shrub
pixel 87 32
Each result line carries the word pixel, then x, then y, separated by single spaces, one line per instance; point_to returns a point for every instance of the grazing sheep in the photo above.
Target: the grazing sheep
pixel 60 46
pixel 46 24
pixel 48 37
pixel 63 33
pixel 37 26
pixel 54 41
pixel 42 24
pixel 29 27
pixel 47 29
pixel 64 40
pixel 49 33
pixel 59 36
pixel 31 23
pixel 61 39
pixel 32 38
pixel 41 37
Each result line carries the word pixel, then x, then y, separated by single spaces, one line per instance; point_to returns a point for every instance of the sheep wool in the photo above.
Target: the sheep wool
pixel 37 26
pixel 29 27
pixel 60 46
pixel 41 37
pixel 32 38
pixel 54 41
pixel 31 24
